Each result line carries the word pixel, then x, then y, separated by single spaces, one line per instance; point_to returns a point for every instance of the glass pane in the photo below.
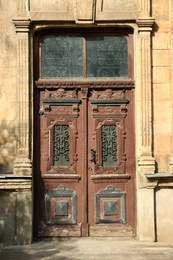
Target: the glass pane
pixel 62 56
pixel 107 57
pixel 109 146
pixel 61 145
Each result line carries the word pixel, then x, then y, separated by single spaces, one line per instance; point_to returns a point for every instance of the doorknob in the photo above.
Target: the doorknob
pixel 93 155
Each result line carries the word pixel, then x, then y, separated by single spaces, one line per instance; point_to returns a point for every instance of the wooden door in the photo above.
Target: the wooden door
pixel 84 147
pixel 85 175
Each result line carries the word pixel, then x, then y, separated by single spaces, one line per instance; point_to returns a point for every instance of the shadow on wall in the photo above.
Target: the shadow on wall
pixel 15 216
pixel 7 146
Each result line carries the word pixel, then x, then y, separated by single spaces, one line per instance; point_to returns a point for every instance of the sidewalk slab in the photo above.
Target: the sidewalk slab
pixel 89 249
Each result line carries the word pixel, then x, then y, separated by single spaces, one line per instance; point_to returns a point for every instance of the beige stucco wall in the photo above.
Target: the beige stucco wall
pixel 153 67
pixel 7 86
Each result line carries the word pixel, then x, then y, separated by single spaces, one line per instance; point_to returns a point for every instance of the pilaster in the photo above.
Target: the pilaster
pixel 23 164
pixel 23 8
pixel 144 8
pixel 146 161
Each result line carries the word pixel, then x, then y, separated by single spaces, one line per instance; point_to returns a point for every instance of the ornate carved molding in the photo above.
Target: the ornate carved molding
pixel 122 84
pixel 22 25
pixel 60 93
pixel 145 23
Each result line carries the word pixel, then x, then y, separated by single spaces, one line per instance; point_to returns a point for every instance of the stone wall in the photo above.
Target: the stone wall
pixel 153 65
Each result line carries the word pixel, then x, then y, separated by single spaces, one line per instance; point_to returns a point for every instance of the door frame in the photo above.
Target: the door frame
pixel 129 83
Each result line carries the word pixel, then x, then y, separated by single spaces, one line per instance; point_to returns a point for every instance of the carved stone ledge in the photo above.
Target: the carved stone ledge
pixel 171 164
pixel 164 180
pixel 22 167
pixel 146 164
pixel 15 183
pixel 145 23
pixel 22 26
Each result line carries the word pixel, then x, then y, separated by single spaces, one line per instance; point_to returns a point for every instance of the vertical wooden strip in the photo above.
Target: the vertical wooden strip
pixel 84 92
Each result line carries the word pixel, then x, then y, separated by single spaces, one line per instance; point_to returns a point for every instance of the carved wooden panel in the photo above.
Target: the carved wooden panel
pixel 60 206
pixel 109 112
pixel 59 111
pixel 110 205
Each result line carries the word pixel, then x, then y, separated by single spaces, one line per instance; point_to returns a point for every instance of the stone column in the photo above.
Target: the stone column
pixel 23 164
pixel 146 162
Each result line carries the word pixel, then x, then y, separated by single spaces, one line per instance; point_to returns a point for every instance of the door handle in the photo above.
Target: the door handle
pixel 93 155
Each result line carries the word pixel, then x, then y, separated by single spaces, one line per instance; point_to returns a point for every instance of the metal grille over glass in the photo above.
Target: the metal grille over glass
pixel 88 57
pixel 61 145
pixel 109 146
pixel 107 57
pixel 62 57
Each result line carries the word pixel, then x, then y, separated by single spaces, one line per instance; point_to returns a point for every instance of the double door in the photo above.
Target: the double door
pixel 84 161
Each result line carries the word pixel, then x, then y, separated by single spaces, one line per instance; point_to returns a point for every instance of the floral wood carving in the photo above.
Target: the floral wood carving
pixel 60 93
pixel 108 94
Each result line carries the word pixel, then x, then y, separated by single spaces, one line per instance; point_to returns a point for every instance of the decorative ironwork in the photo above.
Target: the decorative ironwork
pixel 107 57
pixel 109 145
pixel 62 56
pixel 68 56
pixel 61 145
pixel 93 155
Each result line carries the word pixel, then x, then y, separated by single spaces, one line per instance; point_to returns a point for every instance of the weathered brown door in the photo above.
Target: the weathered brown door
pixel 84 158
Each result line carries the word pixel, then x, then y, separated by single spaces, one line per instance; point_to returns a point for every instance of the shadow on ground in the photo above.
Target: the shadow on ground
pixel 89 249
pixel 40 250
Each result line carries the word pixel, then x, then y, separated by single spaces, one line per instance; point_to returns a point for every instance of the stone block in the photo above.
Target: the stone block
pixel 84 9
pixel 161 41
pixel 161 58
pixel 24 217
pixel 162 26
pixel 164 211
pixel 117 10
pixel 7 216
pixel 161 75
pixel 52 10
pixel 160 9
pixel 161 92
pixel 145 215
pixel 162 160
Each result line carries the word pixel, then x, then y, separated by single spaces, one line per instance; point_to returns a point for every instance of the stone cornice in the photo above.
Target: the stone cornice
pixel 15 184
pixel 145 23
pixel 22 25
pixel 159 180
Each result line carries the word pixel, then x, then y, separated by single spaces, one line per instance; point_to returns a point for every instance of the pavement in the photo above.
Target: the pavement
pixel 88 249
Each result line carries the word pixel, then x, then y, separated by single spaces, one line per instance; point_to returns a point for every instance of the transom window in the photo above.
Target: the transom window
pixel 85 57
